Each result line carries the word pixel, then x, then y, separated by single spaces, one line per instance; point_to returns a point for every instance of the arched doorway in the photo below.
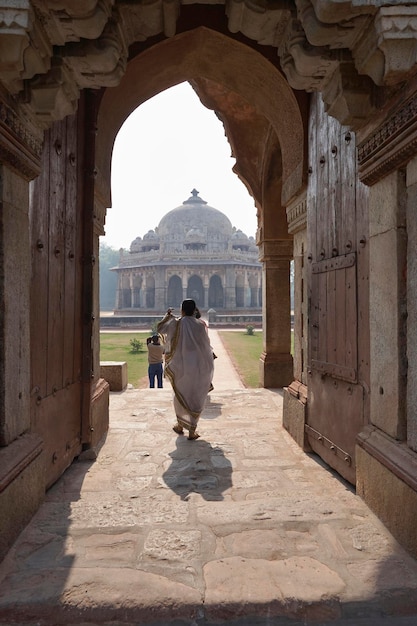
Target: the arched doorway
pixel 174 293
pixel 137 286
pixel 216 294
pixel 270 118
pixel 195 290
pixel 150 292
pixel 240 291
pixel 125 293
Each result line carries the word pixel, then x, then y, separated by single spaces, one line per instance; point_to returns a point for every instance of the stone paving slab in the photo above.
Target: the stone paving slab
pixel 239 527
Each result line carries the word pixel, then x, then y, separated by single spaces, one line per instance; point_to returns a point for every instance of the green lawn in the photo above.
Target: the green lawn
pixel 116 347
pixel 244 351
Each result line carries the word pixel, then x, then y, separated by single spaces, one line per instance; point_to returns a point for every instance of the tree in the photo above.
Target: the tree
pixel 109 257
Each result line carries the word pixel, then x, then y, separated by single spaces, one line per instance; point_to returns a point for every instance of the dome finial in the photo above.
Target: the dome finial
pixel 195 198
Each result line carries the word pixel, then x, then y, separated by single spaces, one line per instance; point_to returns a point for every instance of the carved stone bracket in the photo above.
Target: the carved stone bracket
pixel 266 26
pixel 344 49
pixel 144 20
pixel 349 97
pixel 53 96
pixel 98 63
pixel 306 67
pixel 387 49
pixel 65 20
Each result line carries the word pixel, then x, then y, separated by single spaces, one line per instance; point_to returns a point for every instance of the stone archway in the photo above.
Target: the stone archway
pixel 192 56
pixel 260 113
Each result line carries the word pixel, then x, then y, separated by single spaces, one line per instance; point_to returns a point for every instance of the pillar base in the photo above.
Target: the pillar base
pixel 99 417
pixel 275 370
pixel 295 413
pixel 386 479
pixel 22 481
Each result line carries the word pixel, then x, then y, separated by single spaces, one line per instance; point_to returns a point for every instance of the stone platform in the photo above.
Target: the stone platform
pixel 239 527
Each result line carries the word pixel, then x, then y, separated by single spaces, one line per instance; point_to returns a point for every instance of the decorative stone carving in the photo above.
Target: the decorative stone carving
pixel 341 34
pixel 101 62
pixel 348 97
pixel 266 26
pixel 390 145
pixel 316 41
pixel 66 20
pixel 20 143
pixel 396 29
pixel 141 21
pixel 333 11
pixel 53 96
pixel 306 67
pixel 297 214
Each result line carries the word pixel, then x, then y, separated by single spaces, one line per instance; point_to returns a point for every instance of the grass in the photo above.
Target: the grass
pixel 116 347
pixel 244 351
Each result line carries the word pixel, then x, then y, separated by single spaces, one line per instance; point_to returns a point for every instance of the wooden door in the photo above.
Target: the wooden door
pixel 338 296
pixel 56 302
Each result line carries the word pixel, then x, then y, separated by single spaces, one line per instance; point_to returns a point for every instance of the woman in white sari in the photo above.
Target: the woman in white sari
pixel 188 365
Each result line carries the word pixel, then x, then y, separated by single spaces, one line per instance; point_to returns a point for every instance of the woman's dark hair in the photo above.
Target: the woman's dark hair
pixel 188 306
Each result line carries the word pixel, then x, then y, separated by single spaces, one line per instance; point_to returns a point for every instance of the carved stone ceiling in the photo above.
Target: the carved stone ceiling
pixel 346 49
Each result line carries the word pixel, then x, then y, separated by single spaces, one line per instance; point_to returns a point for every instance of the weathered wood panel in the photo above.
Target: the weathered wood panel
pixel 56 297
pixel 338 373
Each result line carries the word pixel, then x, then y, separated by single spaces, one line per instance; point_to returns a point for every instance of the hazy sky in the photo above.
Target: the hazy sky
pixel 168 146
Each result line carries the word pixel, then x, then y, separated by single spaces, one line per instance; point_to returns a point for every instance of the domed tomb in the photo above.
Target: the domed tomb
pixel 193 252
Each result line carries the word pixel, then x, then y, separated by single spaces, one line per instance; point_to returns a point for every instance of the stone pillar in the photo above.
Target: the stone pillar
pixel 388 365
pixel 230 288
pixel 132 297
pixel 276 363
pixel 206 283
pixel 295 395
pixel 184 284
pixel 160 289
pixel 247 291
pixel 412 304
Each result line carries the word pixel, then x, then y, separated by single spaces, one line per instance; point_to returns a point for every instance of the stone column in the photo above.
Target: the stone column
pixel 412 304
pixel 184 284
pixel 247 291
pixel 276 363
pixel 295 395
pixel 132 297
pixel 160 289
pixel 387 296
pixel 206 282
pixel 230 288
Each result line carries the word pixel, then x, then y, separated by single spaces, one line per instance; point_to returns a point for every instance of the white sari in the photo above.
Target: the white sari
pixel 188 365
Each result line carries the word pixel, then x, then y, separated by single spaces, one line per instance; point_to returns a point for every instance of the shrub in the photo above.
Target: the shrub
pixel 136 345
pixel 250 330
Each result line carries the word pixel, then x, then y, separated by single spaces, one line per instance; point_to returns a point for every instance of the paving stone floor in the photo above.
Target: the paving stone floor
pixel 239 527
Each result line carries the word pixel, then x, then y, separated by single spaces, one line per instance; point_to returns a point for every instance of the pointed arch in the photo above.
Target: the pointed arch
pixel 194 55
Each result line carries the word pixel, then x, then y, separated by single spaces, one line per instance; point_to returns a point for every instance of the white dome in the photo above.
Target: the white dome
pixel 195 214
